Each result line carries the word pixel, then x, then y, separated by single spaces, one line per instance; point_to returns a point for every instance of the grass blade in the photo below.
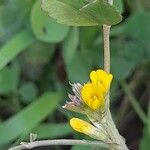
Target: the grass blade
pixel 14 46
pixel 29 117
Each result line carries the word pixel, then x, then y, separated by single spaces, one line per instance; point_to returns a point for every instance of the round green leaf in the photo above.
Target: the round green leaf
pixel 28 92
pixel 45 28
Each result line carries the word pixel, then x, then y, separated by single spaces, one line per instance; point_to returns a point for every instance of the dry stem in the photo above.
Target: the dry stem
pixel 31 145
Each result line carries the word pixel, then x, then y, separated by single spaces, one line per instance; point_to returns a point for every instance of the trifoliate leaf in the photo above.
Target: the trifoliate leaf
pixel 81 12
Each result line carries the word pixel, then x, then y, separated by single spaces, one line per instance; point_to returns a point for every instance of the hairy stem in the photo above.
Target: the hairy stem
pixel 106 33
pixel 109 124
pixel 106 36
pixel 34 144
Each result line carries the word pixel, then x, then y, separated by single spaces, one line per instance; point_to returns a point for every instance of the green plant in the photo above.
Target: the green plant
pixel 91 13
pixel 39 55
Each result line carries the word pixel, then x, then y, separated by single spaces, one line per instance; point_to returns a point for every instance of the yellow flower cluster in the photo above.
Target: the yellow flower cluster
pixel 94 92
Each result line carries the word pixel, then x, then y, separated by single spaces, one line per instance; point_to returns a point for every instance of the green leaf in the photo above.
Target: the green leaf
pixel 29 117
pixel 70 45
pixel 88 36
pixel 76 13
pixel 44 28
pixel 13 17
pixel 39 53
pixel 121 56
pixel 76 147
pixel 102 12
pixel 119 5
pixel 139 19
pixel 9 78
pixel 28 92
pixel 144 144
pixel 79 68
pixel 118 71
pixel 14 46
pixel 52 130
pixel 81 148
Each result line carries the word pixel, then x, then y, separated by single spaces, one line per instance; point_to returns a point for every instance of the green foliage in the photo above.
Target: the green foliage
pixel 29 117
pixel 144 145
pixel 56 130
pixel 137 44
pixel 28 92
pixel 39 55
pixel 70 45
pixel 137 20
pixel 119 5
pixel 13 16
pixel 47 29
pixel 81 147
pixel 81 13
pixel 13 47
pixel 9 79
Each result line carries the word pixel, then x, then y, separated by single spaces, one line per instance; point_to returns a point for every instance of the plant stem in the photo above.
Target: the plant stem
pixel 106 34
pixel 106 38
pixel 109 123
pixel 115 136
pixel 58 142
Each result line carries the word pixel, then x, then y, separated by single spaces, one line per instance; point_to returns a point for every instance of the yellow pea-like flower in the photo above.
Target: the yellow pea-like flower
pixel 92 95
pixel 88 129
pixel 81 126
pixel 101 77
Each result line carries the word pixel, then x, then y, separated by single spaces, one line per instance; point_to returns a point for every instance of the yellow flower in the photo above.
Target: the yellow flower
pixel 100 77
pixel 88 129
pixel 81 126
pixel 92 95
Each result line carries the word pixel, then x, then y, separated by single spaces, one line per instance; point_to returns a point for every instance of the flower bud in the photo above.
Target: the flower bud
pixel 88 129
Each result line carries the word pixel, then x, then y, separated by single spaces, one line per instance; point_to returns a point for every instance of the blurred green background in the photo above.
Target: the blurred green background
pixel 38 58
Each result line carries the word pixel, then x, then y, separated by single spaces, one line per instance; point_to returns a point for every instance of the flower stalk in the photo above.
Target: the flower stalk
pixel 108 122
pixel 106 33
pixel 91 100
